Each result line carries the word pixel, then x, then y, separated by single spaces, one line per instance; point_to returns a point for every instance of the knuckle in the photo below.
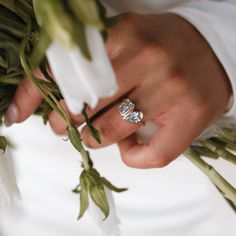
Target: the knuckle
pixel 151 50
pixel 155 161
pixel 157 56
pixel 178 82
pixel 58 130
pixel 57 125
pixel 28 89
pixel 108 130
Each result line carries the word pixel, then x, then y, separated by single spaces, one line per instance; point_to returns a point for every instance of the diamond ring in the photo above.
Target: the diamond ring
pixel 128 112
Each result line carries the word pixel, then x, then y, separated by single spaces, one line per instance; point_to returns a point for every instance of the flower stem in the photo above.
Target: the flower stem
pixel 52 100
pixel 227 189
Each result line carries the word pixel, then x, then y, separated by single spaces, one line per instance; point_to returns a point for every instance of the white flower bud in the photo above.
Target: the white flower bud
pixel 80 80
pixel 110 226
pixel 8 187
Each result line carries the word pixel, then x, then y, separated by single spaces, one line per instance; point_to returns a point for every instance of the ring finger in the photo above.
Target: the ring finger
pixel 114 124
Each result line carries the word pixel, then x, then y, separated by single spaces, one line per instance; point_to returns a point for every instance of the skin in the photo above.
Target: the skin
pixel 169 71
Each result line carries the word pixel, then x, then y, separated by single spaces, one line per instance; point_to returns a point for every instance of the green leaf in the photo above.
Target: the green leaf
pixel 27 6
pixel 11 24
pixel 12 60
pixel 97 191
pixel 52 18
pixel 98 195
pixel 87 11
pixel 94 132
pixel 74 137
pixel 9 4
pixel 84 203
pixel 109 185
pixel 39 50
pixel 82 190
pixel 59 24
pixel 108 21
pixel 81 41
pixel 77 191
pixel 3 143
pixel 93 177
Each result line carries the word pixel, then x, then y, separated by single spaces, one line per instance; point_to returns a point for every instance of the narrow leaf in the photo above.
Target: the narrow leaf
pixel 84 203
pixel 99 197
pixel 74 137
pixel 87 11
pixel 3 143
pixel 112 187
pixel 94 132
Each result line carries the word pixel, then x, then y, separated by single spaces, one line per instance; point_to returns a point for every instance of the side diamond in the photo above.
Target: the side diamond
pixel 134 117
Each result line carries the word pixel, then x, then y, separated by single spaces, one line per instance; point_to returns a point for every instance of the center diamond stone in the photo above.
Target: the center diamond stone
pixel 126 107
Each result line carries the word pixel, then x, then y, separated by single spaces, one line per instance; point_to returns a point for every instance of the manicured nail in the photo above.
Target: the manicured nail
pixel 11 115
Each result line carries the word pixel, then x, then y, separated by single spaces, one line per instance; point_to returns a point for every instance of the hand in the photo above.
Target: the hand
pixel 169 71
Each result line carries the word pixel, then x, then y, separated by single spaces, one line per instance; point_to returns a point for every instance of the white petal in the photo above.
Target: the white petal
pixel 110 226
pixel 8 187
pixel 82 81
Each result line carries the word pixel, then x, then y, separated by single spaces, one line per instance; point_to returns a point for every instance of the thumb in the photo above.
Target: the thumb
pixel 25 102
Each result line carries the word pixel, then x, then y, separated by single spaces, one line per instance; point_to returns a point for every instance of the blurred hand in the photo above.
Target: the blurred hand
pixel 169 71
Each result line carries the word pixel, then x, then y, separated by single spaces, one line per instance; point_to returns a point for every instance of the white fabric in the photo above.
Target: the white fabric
pixel 177 200
pixel 8 187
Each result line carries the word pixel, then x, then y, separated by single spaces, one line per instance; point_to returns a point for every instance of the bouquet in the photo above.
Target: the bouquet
pixel 33 33
pixel 29 30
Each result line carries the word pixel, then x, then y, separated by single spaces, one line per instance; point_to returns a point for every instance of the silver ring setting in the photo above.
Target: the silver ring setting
pixel 128 112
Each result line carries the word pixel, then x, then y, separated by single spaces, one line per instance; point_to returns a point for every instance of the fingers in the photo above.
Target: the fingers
pixel 25 102
pixel 111 127
pixel 59 125
pixel 126 84
pixel 172 139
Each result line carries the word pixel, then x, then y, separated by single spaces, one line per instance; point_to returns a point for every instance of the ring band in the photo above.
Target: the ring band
pixel 128 112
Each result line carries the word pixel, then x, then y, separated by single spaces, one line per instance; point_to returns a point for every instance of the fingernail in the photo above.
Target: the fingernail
pixel 11 115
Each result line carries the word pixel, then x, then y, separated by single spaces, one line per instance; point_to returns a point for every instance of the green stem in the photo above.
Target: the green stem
pixel 220 150
pixel 13 78
pixel 64 114
pixel 85 157
pixel 3 63
pixel 227 189
pixel 52 100
pixel 75 139
pixel 32 78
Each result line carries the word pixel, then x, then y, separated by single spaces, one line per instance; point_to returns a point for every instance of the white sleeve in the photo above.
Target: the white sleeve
pixel 216 21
